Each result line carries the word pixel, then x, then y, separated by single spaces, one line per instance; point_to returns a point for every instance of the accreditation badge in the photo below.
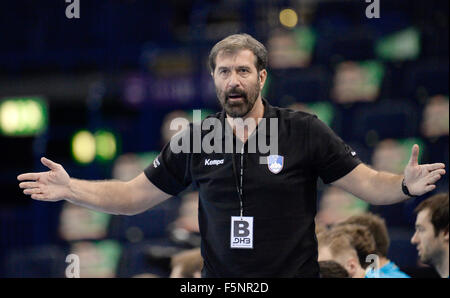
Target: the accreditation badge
pixel 241 232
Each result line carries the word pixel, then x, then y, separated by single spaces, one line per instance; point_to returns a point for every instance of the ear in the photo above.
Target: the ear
pixel 445 232
pixel 351 267
pixel 262 78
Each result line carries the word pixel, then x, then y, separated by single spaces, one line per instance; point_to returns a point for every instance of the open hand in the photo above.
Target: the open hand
pixel 49 186
pixel 421 179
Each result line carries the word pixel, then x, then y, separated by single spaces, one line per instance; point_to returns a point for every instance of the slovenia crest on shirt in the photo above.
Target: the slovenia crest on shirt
pixel 275 163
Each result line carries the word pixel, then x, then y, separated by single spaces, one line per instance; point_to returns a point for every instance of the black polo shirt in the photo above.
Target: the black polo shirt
pixel 283 205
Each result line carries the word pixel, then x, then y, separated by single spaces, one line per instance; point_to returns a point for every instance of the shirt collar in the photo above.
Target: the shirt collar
pixel 269 112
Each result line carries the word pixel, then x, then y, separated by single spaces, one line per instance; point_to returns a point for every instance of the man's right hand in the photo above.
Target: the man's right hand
pixel 49 186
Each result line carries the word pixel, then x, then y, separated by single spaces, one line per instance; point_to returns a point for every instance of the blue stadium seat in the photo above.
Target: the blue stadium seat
pixel 394 74
pixel 152 256
pixel 37 262
pixel 401 251
pixel 150 224
pixel 389 119
pixel 302 85
pixel 334 46
pixel 427 78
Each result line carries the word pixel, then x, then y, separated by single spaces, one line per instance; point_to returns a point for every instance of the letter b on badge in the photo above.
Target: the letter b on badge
pixel 241 228
pixel 241 232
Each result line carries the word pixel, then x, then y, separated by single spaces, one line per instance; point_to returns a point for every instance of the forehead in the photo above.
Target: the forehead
pixel 325 253
pixel 423 217
pixel 243 57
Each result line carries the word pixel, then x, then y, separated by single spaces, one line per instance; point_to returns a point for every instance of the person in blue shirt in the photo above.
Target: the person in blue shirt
pixel 378 229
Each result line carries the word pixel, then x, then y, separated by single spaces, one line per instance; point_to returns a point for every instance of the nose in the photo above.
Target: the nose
pixel 233 81
pixel 414 239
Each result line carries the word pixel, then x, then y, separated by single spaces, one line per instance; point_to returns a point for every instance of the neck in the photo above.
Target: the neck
pixel 383 261
pixel 243 129
pixel 441 264
pixel 360 273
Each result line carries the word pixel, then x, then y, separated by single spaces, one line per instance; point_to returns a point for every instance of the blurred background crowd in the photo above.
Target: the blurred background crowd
pixel 97 94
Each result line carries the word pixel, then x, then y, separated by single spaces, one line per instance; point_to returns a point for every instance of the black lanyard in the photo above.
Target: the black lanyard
pixel 239 182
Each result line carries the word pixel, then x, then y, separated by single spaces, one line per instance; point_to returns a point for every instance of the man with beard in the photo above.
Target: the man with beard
pixel 431 236
pixel 256 209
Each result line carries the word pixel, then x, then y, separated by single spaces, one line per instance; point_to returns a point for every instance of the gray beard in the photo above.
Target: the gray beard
pixel 242 109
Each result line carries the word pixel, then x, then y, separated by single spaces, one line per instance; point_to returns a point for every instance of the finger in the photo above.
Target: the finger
pixel 414 159
pixel 440 172
pixel 29 185
pixel 30 176
pixel 433 179
pixel 430 187
pixel 38 196
pixel 49 164
pixel 435 166
pixel 30 191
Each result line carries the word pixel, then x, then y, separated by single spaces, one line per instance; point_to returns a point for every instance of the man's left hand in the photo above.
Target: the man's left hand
pixel 421 179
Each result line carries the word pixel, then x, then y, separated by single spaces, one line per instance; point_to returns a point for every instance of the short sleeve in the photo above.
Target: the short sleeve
pixel 170 171
pixel 331 156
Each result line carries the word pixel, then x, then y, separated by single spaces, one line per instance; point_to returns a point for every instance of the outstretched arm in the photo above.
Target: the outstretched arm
pixel 381 188
pixel 112 196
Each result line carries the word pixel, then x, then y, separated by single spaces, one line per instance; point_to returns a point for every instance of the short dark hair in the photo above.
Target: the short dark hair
pixel 332 269
pixel 438 206
pixel 376 226
pixel 236 42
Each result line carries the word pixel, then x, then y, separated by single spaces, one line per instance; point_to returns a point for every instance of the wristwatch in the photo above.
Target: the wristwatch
pixel 406 190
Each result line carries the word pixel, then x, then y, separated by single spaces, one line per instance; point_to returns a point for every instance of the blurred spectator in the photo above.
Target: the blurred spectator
pixel 290 49
pixel 337 205
pixel 355 81
pixel 185 228
pixel 126 167
pixel 378 229
pixel 323 110
pixel 431 236
pixel 168 133
pixel 390 156
pixel 320 228
pixel 332 269
pixel 79 223
pixel 187 264
pixel 298 106
pixel 435 121
pixel 97 259
pixel 146 275
pixel 348 245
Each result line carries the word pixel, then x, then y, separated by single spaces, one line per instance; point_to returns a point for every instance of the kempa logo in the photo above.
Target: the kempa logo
pixel 214 162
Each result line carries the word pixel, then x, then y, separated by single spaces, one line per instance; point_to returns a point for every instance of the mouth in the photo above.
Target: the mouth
pixel 235 97
pixel 419 251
